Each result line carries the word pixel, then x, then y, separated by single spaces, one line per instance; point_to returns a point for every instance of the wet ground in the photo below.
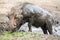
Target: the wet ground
pixel 56 30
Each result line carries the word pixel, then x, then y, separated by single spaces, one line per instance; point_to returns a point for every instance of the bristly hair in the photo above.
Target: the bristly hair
pixel 26 3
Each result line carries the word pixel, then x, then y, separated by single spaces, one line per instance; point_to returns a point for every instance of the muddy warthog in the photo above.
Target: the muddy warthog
pixel 36 16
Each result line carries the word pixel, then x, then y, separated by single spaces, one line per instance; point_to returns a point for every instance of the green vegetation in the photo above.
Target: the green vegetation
pixel 16 35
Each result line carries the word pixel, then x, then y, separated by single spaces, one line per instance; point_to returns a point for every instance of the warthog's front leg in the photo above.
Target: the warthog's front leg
pixel 30 23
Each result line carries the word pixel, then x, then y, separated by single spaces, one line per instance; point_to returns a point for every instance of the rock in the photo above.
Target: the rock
pixel 3 22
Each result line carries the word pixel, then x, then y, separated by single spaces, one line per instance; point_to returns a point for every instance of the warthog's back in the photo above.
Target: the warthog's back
pixel 29 9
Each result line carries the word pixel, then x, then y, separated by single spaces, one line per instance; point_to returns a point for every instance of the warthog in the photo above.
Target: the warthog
pixel 36 16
